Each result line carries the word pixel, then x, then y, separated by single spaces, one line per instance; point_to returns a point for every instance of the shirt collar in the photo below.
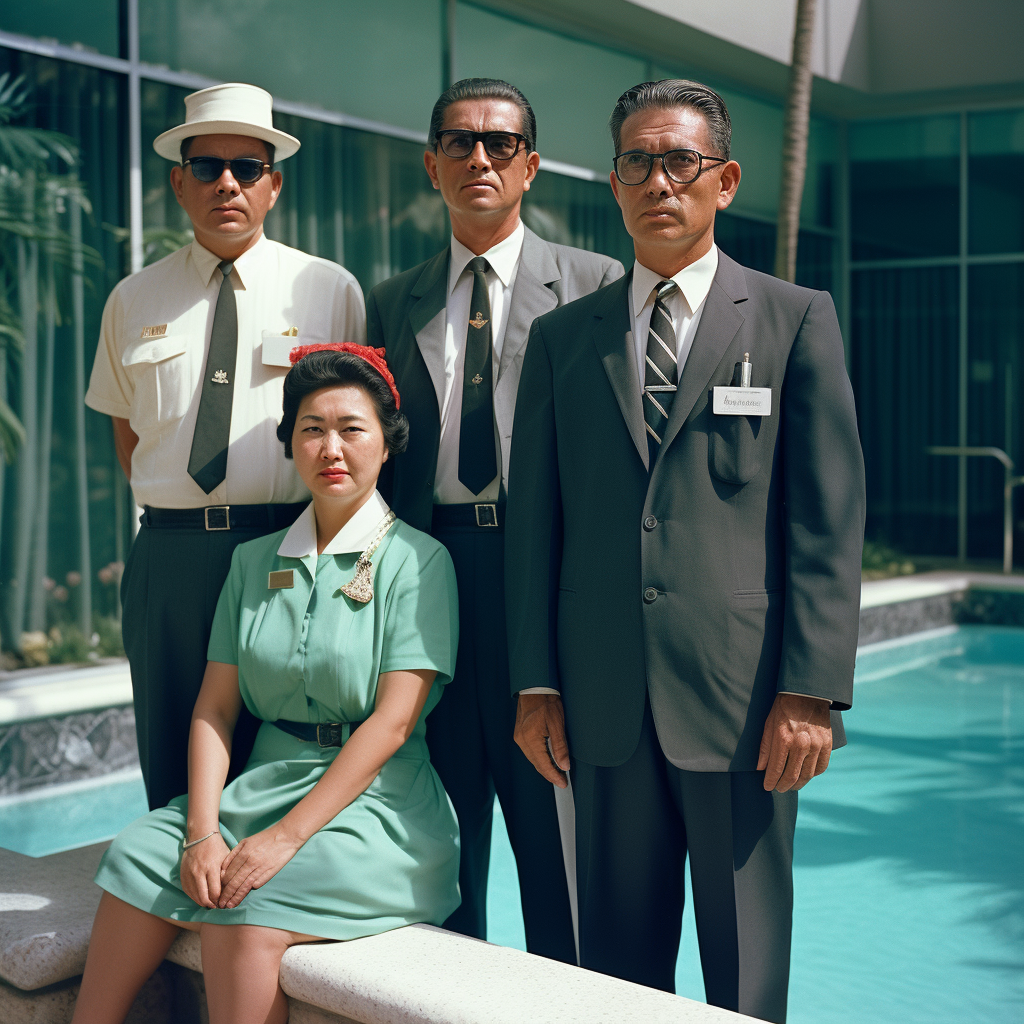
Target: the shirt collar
pixel 354 536
pixel 502 257
pixel 694 281
pixel 207 262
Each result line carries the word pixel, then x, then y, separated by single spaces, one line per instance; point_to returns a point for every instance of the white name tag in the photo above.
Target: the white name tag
pixel 277 348
pixel 743 401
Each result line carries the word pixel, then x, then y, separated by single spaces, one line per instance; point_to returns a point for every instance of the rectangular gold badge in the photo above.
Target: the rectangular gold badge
pixel 281 579
pixel 154 332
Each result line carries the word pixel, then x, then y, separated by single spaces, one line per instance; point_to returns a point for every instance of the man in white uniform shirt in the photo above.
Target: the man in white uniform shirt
pixel 192 355
pixel 455 330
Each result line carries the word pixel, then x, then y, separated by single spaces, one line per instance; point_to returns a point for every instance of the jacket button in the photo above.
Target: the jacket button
pixel 650 523
pixel 650 595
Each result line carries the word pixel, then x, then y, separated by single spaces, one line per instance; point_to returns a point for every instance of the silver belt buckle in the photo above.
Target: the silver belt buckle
pixel 486 515
pixel 221 517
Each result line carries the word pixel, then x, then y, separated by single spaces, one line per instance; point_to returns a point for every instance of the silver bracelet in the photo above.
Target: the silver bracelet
pixel 196 842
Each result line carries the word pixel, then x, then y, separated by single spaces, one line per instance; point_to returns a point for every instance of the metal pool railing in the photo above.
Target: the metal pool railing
pixel 1009 483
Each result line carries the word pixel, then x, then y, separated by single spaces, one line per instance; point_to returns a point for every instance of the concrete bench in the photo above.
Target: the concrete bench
pixel 414 975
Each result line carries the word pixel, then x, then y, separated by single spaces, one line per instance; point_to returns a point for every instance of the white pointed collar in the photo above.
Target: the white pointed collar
pixel 694 281
pixel 502 257
pixel 207 262
pixel 354 536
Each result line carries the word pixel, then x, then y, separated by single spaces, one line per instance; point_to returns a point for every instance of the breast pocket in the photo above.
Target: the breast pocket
pixel 733 452
pixel 161 372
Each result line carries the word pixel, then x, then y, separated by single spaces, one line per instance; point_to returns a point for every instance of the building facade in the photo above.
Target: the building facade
pixel 912 217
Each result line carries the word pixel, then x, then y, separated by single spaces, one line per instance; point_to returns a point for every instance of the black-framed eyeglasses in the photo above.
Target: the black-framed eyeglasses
pixel 682 165
pixel 244 169
pixel 459 143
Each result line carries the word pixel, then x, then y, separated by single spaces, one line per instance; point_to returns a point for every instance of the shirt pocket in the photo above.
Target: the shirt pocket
pixel 733 451
pixel 161 372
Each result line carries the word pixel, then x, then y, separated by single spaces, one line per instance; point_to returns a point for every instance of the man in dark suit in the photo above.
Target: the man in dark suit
pixel 687 578
pixel 455 330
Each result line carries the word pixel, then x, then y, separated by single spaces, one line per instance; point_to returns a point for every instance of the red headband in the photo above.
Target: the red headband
pixel 374 356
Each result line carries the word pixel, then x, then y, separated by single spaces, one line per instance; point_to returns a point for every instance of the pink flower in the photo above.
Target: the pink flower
pixel 73 578
pixel 60 593
pixel 48 584
pixel 106 574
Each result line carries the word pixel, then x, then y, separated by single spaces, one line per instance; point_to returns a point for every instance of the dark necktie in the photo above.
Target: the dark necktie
pixel 208 460
pixel 478 464
pixel 660 368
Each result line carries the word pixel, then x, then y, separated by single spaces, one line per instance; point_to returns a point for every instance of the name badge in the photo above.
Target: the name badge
pixel 281 579
pixel 277 348
pixel 742 401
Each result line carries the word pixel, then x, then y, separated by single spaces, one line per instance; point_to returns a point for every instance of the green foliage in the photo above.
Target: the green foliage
pixel 68 644
pixel 108 630
pixel 881 562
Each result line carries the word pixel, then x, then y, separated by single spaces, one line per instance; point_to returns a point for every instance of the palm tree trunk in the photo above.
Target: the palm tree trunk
pixel 41 541
pixel 25 491
pixel 794 142
pixel 81 469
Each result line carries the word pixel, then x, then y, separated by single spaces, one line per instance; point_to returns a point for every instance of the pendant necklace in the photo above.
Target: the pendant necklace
pixel 360 587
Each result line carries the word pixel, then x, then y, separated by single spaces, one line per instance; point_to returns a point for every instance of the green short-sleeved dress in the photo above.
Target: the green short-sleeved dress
pixel 311 654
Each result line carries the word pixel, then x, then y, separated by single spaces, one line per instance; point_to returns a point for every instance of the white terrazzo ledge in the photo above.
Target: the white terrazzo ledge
pixel 414 975
pixel 50 692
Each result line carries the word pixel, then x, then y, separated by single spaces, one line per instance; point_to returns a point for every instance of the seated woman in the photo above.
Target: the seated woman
pixel 333 831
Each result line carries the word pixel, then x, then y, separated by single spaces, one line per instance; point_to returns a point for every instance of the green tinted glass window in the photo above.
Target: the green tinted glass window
pixel 92 26
pixel 380 61
pixel 996 181
pixel 572 86
pixel 905 187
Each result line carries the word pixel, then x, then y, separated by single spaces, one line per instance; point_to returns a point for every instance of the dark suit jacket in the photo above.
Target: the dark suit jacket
pixel 753 555
pixel 405 315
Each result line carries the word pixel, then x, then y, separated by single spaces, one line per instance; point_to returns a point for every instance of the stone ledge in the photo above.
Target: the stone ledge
pixel 414 975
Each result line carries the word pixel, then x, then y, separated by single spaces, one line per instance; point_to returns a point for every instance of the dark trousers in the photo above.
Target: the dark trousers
pixel 635 825
pixel 169 592
pixel 470 738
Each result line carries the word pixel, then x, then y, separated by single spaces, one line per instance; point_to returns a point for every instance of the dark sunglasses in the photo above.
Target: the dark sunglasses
pixel 245 169
pixel 681 165
pixel 458 143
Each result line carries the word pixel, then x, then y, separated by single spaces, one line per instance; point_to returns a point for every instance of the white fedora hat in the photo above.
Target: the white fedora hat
pixel 230 109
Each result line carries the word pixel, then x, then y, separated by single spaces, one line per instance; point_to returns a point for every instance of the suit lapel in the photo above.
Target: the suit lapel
pixel 718 325
pixel 613 336
pixel 531 296
pixel 426 317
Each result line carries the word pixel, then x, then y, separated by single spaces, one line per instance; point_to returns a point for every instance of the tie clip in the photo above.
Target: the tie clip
pixel 660 387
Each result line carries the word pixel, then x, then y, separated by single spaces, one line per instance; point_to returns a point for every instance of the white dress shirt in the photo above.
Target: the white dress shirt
pixel 152 353
pixel 503 259
pixel 355 536
pixel 684 305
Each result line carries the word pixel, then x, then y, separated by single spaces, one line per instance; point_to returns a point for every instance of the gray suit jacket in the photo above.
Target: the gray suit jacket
pixel 405 315
pixel 729 573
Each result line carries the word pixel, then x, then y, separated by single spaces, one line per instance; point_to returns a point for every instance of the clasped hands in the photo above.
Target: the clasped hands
pixel 796 744
pixel 219 879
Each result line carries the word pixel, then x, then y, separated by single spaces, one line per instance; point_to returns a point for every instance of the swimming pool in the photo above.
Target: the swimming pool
pixel 909 852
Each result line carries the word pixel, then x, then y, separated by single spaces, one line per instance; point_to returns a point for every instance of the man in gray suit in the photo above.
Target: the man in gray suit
pixel 683 567
pixel 455 330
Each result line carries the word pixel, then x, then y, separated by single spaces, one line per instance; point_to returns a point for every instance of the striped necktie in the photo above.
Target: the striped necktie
pixel 660 374
pixel 208 459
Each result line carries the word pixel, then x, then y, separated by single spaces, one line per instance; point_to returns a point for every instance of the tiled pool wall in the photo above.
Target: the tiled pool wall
pixel 58 749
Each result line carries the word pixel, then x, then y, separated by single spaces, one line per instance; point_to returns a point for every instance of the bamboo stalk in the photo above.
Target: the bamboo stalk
pixel 794 141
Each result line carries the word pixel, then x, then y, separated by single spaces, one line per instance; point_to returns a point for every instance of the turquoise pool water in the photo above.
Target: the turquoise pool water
pixel 909 852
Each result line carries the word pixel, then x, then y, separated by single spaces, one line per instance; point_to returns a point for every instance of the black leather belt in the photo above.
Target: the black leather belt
pixel 327 734
pixel 216 518
pixel 486 515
